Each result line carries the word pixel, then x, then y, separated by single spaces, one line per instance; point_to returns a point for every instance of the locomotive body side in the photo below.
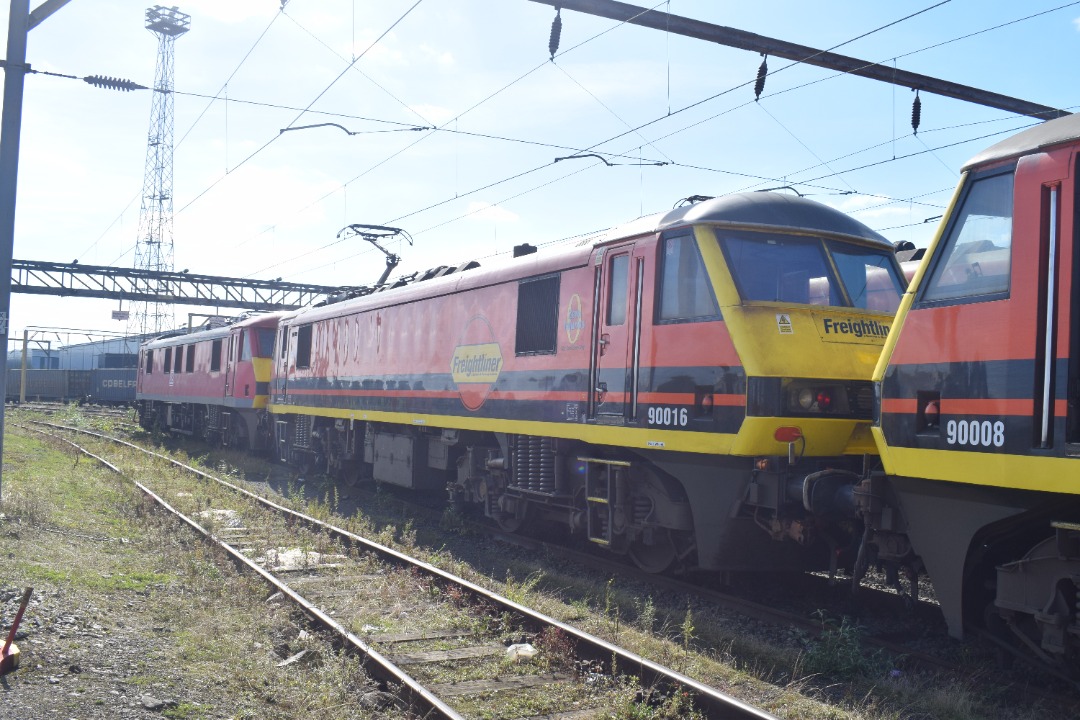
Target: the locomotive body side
pixel 210 384
pixel 605 388
pixel 510 351
pixel 979 429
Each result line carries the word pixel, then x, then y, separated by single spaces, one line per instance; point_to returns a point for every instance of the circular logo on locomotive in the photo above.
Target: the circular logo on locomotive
pixel 476 363
pixel 574 321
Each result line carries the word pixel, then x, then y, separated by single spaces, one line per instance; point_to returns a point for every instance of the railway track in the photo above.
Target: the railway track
pixel 875 603
pixel 453 649
pixel 104 411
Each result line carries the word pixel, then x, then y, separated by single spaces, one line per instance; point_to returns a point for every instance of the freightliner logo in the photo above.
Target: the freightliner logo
pixel 476 363
pixel 858 328
pixel 853 330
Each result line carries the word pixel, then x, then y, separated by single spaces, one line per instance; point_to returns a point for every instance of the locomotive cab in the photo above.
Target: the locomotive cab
pixel 979 423
pixel 807 295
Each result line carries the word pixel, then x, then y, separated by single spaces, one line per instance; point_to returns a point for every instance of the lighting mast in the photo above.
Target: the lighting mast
pixel 154 247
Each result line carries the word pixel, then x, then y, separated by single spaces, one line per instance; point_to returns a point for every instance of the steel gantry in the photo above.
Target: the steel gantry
pixel 181 288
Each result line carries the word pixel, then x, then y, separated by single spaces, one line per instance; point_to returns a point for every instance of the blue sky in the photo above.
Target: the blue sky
pixel 253 202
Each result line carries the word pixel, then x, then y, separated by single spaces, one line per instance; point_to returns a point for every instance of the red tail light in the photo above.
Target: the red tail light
pixel 787 434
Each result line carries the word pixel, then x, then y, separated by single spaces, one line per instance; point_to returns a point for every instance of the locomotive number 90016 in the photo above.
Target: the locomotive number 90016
pixel 668 416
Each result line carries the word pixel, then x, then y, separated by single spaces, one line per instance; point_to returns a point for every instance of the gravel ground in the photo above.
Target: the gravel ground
pixel 83 661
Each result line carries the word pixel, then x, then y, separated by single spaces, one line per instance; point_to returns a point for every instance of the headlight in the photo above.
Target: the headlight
pixel 806 398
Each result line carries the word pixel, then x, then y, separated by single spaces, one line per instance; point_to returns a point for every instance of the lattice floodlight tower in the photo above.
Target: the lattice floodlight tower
pixel 154 248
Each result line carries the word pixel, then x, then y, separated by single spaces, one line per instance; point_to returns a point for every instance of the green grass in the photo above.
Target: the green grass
pixel 80 533
pixel 223 637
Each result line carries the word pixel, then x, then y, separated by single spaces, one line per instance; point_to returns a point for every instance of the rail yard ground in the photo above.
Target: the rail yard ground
pixel 133 617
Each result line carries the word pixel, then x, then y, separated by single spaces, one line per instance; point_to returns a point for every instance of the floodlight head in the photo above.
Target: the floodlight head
pixel 167 21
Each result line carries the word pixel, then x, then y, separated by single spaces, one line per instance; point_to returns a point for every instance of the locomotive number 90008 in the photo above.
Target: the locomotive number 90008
pixel 974 432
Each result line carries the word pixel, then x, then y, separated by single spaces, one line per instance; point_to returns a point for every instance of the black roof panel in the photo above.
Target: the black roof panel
pixel 1045 135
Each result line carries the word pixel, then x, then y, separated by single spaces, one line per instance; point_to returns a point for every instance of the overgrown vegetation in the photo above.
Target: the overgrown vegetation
pixel 838 652
pixel 230 618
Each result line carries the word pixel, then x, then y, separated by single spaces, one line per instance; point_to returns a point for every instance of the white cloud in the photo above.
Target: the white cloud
pixel 1076 22
pixel 886 211
pixel 230 11
pixel 379 50
pixel 486 211
pixel 442 58
pixel 228 226
pixel 433 113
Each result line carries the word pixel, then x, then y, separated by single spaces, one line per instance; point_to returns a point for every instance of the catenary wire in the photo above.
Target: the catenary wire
pixel 835 173
pixel 458 117
pixel 367 77
pixel 301 114
pixel 535 169
pixel 193 124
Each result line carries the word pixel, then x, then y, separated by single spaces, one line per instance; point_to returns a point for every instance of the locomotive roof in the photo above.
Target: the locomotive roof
pixel 213 333
pixel 1039 137
pixel 758 209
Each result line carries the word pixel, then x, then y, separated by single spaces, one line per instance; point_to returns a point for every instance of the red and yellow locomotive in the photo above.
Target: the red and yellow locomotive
pixel 979 429
pixel 668 390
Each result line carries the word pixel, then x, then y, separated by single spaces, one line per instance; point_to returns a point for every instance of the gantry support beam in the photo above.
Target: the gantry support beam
pixel 101 281
pixel 811 56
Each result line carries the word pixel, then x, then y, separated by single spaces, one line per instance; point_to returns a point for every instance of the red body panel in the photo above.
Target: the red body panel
pixel 414 345
pixel 229 379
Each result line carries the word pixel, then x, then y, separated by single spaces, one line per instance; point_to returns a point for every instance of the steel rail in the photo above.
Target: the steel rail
pixel 713 702
pixel 384 669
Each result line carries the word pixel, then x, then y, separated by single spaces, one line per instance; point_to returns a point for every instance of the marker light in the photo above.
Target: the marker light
pixel 824 400
pixel 787 434
pixel 932 413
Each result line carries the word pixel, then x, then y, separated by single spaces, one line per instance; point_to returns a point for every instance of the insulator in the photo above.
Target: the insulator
pixel 556 33
pixel 916 114
pixel 762 71
pixel 111 83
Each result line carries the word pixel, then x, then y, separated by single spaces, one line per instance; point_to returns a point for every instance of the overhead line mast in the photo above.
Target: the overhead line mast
pixel 154 247
pixel 743 40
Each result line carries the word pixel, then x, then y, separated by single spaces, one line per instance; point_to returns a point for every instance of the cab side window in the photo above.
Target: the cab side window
pixel 975 261
pixel 618 268
pixel 686 295
pixel 303 346
pixel 215 356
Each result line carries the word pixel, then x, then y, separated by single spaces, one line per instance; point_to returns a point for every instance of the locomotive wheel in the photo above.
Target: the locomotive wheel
pixel 509 523
pixel 657 557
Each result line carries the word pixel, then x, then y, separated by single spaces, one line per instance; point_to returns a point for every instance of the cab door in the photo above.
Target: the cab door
pixel 283 363
pixel 614 319
pixel 230 364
